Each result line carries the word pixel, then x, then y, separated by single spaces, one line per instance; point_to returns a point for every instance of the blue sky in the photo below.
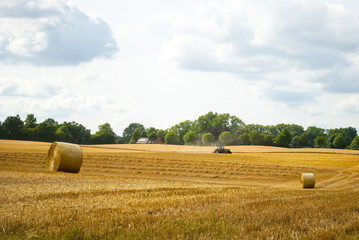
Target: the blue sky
pixel 161 62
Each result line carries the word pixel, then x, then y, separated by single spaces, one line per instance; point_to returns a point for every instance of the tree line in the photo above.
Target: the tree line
pixel 50 130
pixel 209 129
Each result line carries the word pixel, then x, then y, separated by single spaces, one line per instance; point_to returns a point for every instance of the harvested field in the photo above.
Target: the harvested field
pixel 179 192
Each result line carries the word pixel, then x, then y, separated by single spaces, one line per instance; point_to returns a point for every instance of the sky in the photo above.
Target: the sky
pixel 162 62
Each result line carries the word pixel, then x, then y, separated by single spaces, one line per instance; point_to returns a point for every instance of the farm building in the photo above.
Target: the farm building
pixel 147 141
pixel 143 141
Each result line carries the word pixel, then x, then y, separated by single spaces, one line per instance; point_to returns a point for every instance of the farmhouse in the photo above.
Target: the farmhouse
pixel 143 141
pixel 147 141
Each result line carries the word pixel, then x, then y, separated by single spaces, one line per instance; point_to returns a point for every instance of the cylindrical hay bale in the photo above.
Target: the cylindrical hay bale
pixel 307 180
pixel 64 157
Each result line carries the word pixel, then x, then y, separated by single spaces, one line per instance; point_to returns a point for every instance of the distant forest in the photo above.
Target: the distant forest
pixel 209 129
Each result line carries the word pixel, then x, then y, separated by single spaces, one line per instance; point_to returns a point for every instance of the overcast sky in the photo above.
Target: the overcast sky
pixel 161 62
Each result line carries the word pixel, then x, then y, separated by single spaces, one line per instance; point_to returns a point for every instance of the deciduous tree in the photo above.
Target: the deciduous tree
pixel 63 134
pixel 303 141
pixel 355 143
pixel 45 131
pixel 161 134
pixel 152 136
pixel 257 138
pixel 312 132
pixel 127 133
pixel 172 137
pixel 268 140
pixel 319 142
pixel 283 139
pixel 207 139
pixel 138 133
pixel 339 141
pixel 190 138
pixel 105 135
pixel 12 127
pixel 244 139
pixel 30 121
pixel 226 138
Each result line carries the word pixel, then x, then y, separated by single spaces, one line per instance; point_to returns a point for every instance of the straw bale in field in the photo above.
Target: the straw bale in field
pixel 307 180
pixel 64 157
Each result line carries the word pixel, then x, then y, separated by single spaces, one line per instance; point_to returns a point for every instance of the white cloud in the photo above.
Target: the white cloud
pixel 311 111
pixel 264 61
pixel 58 99
pixel 51 33
pixel 349 105
pixel 280 42
pixel 17 87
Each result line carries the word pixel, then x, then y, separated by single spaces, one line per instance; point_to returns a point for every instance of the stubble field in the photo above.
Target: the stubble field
pixel 179 192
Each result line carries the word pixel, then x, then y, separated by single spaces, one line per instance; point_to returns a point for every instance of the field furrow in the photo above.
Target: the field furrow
pixel 178 192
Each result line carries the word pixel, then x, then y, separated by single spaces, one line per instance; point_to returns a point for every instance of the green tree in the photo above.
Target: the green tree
pixel 127 133
pixel 150 131
pixel 1 131
pixel 119 140
pixel 12 127
pixel 257 138
pixel 105 135
pixel 207 139
pixel 217 123
pixel 280 127
pixel 139 132
pixel 312 132
pixel 295 142
pixel 355 143
pixel 257 127
pixel 135 136
pixel 268 140
pixel 28 130
pixel 329 140
pixel 339 141
pixel 63 134
pixel 51 121
pixel 96 139
pixel 152 136
pixel 319 142
pixel 235 124
pixel 79 134
pixel 161 134
pixel 244 139
pixel 294 129
pixel 349 133
pixel 220 123
pixel 204 123
pixel 172 137
pixel 283 139
pixel 182 128
pixel 226 138
pixel 45 131
pixel 30 121
pixel 190 138
pixel 241 130
pixel 303 141
pixel 221 120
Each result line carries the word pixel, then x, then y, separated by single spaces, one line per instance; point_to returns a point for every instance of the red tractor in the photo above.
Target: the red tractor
pixel 221 149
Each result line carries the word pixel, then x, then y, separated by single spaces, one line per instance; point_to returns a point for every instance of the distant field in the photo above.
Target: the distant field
pixel 179 192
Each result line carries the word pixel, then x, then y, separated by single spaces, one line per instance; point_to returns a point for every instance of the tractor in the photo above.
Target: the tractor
pixel 221 149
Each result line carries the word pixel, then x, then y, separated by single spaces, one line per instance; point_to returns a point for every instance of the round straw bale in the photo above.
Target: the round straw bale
pixel 64 157
pixel 307 180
